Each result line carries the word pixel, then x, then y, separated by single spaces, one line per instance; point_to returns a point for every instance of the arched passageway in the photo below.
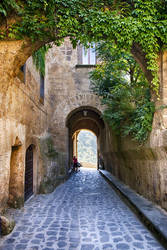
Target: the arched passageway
pixel 28 186
pixel 88 118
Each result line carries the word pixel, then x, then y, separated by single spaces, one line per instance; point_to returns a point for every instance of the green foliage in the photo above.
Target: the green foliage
pixel 143 22
pixel 123 88
pixel 39 58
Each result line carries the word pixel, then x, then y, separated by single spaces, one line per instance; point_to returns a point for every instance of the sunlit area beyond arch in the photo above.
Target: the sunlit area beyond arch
pixel 87 148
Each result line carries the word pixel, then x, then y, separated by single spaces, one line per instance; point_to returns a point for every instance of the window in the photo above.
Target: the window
pixel 23 70
pixel 89 55
pixel 42 83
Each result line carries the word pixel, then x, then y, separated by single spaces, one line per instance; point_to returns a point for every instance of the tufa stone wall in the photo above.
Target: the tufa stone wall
pixel 69 89
pixel 25 121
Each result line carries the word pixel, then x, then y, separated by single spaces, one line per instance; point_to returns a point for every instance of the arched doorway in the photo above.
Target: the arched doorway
pixel 16 175
pixel 28 186
pixel 82 118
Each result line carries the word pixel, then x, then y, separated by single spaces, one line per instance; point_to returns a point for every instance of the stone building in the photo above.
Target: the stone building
pixel 38 118
pixel 37 123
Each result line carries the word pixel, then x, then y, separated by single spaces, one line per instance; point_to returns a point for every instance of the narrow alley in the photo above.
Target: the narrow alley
pixel 84 213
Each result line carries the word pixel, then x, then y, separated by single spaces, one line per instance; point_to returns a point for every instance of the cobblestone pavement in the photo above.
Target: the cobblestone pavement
pixel 84 213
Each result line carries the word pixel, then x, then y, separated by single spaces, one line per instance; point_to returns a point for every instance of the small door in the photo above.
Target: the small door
pixel 28 186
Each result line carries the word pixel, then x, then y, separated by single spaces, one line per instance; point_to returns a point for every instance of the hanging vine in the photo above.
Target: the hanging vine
pixel 143 22
pixel 39 59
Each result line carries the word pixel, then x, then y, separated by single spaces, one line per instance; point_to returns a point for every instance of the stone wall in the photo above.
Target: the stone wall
pixel 23 120
pixel 69 87
pixel 143 168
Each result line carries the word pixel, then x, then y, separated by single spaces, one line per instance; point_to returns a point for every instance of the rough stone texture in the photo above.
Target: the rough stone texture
pixel 68 87
pixel 142 168
pixel 7 225
pixel 24 120
pixel 54 171
pixel 83 213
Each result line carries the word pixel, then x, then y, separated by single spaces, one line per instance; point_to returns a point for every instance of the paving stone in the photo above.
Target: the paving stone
pixel 8 247
pixel 20 246
pixel 49 244
pixel 138 245
pixel 15 234
pixel 48 248
pixel 35 241
pixel 107 247
pixel 84 213
pixel 40 236
pixel 11 240
pixel 118 239
pixel 51 233
pixel 24 241
pixel 61 243
pixel 138 237
pixel 123 246
pixel 87 247
pixel 74 245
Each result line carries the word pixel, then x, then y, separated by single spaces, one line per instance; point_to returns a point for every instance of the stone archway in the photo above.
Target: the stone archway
pixel 85 117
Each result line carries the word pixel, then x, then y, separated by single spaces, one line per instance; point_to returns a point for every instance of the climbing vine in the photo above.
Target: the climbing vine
pixel 124 90
pixel 141 22
pixel 39 59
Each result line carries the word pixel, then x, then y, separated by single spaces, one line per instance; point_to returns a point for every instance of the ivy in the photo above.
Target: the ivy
pixel 124 90
pixel 39 59
pixel 143 22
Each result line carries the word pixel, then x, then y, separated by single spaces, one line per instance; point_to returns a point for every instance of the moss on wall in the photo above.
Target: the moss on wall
pixel 47 148
pixel 16 202
pixel 54 167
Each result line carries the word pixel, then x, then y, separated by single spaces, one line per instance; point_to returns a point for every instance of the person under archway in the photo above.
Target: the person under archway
pixel 75 164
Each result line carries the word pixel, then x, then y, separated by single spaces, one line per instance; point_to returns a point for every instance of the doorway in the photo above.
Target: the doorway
pixel 28 186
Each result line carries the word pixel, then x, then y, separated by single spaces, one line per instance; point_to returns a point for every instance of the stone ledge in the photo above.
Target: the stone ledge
pixel 156 217
pixel 85 66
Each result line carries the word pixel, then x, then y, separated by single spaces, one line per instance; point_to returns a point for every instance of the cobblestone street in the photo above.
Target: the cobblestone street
pixel 84 213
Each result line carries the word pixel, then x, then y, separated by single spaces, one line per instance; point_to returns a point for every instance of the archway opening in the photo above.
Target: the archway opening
pixel 85 118
pixel 86 148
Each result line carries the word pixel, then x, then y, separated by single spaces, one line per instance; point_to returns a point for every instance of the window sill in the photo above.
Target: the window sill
pixel 85 66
